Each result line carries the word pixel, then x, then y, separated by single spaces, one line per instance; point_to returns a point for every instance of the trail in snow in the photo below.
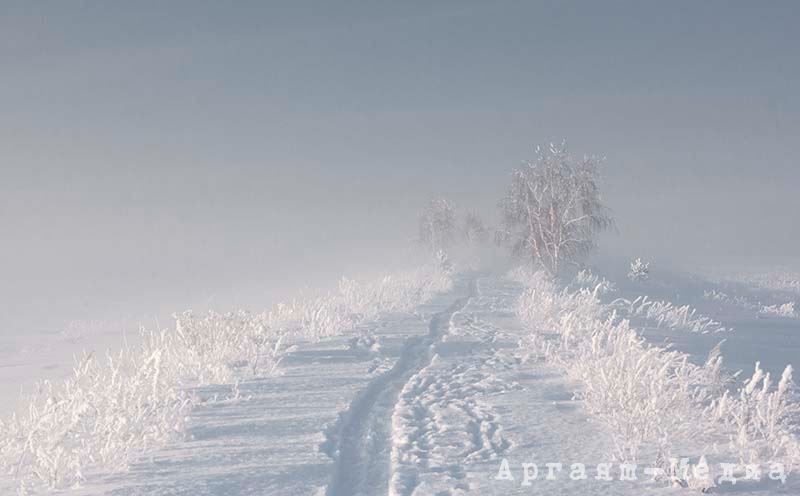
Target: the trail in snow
pixel 361 442
pixel 444 423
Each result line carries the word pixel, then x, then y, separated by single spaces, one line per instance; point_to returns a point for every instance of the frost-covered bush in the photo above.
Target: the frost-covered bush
pixel 714 295
pixel 542 307
pixel 775 280
pixel 323 317
pixel 642 393
pixel 761 420
pixel 785 310
pixel 666 314
pixel 780 310
pixel 639 270
pixel 105 414
pixel 587 279
pixel 723 297
pixel 217 348
pixel 401 292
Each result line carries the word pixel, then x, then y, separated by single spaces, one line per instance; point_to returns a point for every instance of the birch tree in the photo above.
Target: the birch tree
pixel 553 211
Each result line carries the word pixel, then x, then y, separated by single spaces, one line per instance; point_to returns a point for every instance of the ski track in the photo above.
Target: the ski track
pixel 425 414
pixel 362 443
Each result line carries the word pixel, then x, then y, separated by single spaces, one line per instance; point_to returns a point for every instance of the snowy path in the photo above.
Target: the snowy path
pixel 442 420
pixel 362 445
pixel 477 403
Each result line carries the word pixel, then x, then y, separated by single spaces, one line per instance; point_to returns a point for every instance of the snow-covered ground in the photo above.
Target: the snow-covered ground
pixel 439 400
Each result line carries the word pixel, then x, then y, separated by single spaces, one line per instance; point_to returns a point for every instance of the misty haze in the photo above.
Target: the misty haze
pixel 399 248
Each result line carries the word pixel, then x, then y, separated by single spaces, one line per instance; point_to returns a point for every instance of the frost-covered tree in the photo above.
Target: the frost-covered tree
pixel 640 270
pixel 553 211
pixel 437 224
pixel 473 230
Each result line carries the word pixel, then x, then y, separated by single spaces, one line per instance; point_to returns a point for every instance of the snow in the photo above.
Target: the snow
pixel 435 399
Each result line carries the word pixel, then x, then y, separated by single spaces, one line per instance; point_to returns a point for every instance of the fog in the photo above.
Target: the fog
pixel 197 153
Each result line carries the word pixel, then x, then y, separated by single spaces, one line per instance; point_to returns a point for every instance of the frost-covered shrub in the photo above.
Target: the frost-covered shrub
pixel 775 280
pixel 639 391
pixel 219 348
pixel 323 317
pixel 586 279
pixel 761 420
pixel 666 314
pixel 639 271
pixel 105 414
pixel 778 309
pixel 723 297
pixel 402 292
pixel 542 307
pixel 785 310
pixel 714 295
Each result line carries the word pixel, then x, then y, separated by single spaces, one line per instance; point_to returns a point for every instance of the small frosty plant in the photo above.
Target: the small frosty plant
pixel 640 271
